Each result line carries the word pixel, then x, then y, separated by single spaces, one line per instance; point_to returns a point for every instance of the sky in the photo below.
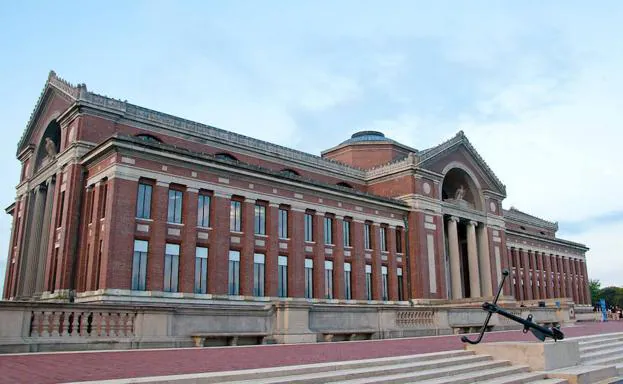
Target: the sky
pixel 536 86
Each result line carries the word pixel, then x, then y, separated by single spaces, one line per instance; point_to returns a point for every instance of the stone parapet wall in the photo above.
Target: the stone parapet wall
pixel 33 327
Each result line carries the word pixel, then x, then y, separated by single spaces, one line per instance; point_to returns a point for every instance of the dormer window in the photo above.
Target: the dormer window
pixel 148 138
pixel 225 156
pixel 290 172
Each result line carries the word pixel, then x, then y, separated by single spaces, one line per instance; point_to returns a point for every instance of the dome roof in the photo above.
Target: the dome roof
pixel 364 136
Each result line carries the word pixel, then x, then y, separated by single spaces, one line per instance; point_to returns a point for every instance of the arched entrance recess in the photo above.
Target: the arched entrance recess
pixel 465 234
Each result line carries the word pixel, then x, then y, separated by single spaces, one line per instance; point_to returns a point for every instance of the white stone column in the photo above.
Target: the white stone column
pixel 455 261
pixel 485 261
pixel 45 235
pixel 472 257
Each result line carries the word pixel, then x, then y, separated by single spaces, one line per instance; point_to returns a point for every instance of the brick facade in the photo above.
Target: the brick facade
pixel 109 151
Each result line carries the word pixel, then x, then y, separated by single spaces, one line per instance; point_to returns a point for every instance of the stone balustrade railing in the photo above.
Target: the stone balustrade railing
pixel 81 323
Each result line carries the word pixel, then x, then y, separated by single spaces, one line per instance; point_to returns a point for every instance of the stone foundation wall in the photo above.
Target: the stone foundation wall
pixel 34 327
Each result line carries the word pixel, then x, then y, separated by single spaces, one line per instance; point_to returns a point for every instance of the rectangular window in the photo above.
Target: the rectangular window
pixel 258 274
pixel 139 265
pixel 398 241
pixel 400 281
pixel 201 270
pixel 203 211
pixel 368 281
pixel 347 286
pixel 367 243
pixel 234 273
pixel 60 211
pixel 235 216
pixel 328 279
pixel 91 204
pixel 309 278
pixel 259 220
pixel 309 227
pixel 283 223
pixel 175 206
pixel 384 283
pixel 282 272
pixel 171 267
pixel 383 238
pixel 104 198
pixel 328 230
pixel 143 201
pixel 346 232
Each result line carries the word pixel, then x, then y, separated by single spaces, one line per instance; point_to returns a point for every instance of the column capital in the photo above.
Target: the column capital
pixel 454 218
pixel 472 223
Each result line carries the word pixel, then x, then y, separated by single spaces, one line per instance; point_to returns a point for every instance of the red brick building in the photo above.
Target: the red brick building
pixel 117 202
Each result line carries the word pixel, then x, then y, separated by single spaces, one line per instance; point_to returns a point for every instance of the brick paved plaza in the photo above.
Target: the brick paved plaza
pixel 81 366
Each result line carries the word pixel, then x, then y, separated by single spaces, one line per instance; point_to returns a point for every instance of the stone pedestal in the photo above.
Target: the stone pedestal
pixel 292 324
pixel 539 356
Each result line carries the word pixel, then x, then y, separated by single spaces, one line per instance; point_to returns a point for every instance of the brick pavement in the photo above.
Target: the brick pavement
pixel 81 366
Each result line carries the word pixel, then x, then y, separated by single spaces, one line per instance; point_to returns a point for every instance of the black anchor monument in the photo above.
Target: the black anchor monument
pixel 539 331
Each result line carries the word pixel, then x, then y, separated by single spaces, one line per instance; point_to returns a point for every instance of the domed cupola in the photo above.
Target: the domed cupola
pixel 367 149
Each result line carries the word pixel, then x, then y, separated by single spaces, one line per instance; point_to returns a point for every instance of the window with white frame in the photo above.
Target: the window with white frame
pixel 328 279
pixel 309 227
pixel 259 220
pixel 174 214
pixel 283 223
pixel 367 241
pixel 400 282
pixel 328 230
pixel 384 283
pixel 258 274
pixel 309 278
pixel 143 201
pixel 203 211
pixel 383 238
pixel 234 273
pixel 235 216
pixel 347 284
pixel 368 282
pixel 201 270
pixel 282 276
pixel 171 267
pixel 139 265
pixel 346 232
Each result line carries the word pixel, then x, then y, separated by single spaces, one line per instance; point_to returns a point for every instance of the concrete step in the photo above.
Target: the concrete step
pixel 520 378
pixel 482 376
pixel 597 339
pixel 600 346
pixel 584 374
pixel 458 374
pixel 601 354
pixel 549 381
pixel 399 372
pixel 265 373
pixel 610 360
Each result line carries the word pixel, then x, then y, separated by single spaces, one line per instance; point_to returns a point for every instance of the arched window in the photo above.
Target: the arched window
pixel 290 172
pixel 148 138
pixel 225 156
pixel 344 184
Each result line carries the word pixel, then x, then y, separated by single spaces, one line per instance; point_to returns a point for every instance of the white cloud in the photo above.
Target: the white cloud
pixel 557 157
pixel 604 260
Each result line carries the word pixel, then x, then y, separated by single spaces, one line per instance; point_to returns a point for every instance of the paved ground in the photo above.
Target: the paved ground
pixel 64 367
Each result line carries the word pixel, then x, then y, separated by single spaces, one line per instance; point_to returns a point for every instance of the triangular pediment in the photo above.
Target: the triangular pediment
pixel 459 150
pixel 57 95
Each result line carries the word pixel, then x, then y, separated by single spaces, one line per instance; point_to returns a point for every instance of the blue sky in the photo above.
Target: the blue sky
pixel 536 87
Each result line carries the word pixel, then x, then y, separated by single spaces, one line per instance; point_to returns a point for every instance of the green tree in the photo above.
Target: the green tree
pixel 612 295
pixel 595 286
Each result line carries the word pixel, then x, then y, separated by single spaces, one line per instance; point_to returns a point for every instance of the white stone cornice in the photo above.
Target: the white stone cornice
pixel 547 252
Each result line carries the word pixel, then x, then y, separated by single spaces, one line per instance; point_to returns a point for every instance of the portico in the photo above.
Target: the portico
pixel 466 235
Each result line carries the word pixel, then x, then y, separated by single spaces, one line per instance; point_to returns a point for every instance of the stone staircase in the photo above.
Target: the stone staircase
pixel 602 350
pixel 433 368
